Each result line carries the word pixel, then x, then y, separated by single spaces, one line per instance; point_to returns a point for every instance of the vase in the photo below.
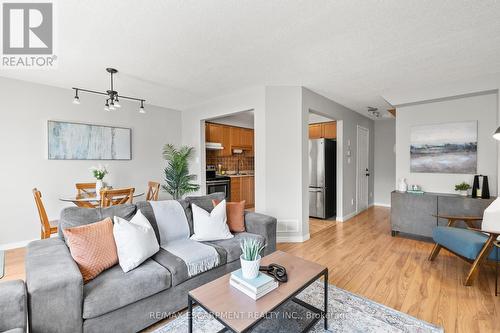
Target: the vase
pixel 250 268
pixel 463 193
pixel 402 185
pixel 98 188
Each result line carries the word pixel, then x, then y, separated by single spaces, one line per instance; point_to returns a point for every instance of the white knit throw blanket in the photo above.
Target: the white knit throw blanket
pixel 174 237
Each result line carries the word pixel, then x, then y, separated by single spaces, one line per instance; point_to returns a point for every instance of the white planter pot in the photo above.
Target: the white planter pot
pixel 98 186
pixel 250 269
pixel 463 193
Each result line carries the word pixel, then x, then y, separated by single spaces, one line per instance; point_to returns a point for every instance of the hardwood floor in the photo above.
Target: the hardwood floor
pixel 364 259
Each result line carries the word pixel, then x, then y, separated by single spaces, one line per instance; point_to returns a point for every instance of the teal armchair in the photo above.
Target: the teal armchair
pixel 474 245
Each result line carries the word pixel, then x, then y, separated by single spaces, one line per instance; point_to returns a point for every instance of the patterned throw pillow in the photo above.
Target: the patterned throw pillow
pixel 93 247
pixel 235 212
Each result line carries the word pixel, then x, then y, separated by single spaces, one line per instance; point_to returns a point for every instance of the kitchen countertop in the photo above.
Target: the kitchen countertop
pixel 248 175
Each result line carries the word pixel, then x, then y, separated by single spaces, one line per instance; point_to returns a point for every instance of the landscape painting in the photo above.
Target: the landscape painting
pixel 444 148
pixel 75 141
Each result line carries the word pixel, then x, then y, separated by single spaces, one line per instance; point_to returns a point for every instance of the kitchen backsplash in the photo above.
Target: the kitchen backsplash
pixel 231 163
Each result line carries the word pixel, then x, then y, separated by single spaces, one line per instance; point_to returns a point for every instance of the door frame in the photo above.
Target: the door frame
pixel 358 128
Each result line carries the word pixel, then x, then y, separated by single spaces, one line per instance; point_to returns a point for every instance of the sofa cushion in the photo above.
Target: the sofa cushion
pixel 232 246
pixel 114 289
pixel 77 216
pixel 465 242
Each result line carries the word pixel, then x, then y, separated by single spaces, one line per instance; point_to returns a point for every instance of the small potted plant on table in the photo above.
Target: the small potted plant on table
pixel 99 172
pixel 250 259
pixel 462 188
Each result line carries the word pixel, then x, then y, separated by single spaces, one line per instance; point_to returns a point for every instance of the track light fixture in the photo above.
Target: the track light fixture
pixel 113 98
pixel 76 100
pixel 141 109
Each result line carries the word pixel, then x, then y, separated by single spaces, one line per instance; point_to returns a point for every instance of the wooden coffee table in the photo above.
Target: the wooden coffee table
pixel 240 313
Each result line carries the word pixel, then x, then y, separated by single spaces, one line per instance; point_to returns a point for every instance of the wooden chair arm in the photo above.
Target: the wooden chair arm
pixel 459 218
pixel 469 220
pixel 492 233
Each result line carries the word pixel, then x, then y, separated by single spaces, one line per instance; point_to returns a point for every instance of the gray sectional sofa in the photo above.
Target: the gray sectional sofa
pixel 13 309
pixel 115 301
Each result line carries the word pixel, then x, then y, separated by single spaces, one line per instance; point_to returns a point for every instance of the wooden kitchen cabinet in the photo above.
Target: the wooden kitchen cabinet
pixel 213 132
pixel 326 130
pixel 235 189
pixel 315 131
pixel 243 188
pixel 230 137
pixel 221 134
pixel 330 130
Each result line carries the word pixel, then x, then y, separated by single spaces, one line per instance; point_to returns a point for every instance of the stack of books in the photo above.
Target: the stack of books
pixel 255 288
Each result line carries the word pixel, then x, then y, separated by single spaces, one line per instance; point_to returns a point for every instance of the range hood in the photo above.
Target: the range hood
pixel 213 146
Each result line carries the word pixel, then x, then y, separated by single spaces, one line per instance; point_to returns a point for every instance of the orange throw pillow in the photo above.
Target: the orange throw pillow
pixel 235 212
pixel 93 247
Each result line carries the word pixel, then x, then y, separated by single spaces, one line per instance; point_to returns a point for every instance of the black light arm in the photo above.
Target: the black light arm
pixel 106 94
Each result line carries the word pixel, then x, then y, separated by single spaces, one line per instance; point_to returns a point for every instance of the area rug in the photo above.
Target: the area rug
pixel 347 312
pixel 2 262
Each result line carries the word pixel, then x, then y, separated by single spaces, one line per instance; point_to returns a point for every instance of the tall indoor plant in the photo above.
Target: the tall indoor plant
pixel 178 181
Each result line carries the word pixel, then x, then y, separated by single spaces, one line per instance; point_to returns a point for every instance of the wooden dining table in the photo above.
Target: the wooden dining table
pixel 88 200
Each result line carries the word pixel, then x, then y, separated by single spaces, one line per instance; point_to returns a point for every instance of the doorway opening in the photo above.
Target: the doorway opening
pixel 229 156
pixel 324 155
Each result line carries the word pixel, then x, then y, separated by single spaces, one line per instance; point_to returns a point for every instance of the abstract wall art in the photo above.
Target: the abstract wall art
pixel 76 141
pixel 444 148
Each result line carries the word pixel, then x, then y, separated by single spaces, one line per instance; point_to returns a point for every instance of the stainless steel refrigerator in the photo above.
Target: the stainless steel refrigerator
pixel 322 178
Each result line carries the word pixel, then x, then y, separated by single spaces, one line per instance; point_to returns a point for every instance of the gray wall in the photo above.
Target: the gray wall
pixel 26 107
pixel 482 108
pixel 384 161
pixel 347 121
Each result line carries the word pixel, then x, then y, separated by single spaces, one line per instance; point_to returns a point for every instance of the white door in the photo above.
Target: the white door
pixel 363 169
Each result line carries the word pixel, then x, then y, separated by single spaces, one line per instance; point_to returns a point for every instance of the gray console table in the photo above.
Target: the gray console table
pixel 415 214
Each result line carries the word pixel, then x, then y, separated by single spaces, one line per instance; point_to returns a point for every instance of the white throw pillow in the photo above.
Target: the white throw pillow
pixel 210 226
pixel 135 241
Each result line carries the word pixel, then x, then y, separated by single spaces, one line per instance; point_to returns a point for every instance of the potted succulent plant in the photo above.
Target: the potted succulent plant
pixel 250 259
pixel 462 188
pixel 99 172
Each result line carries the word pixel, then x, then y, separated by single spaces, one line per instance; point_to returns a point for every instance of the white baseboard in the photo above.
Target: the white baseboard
pixel 347 217
pixel 15 245
pixel 292 238
pixel 382 204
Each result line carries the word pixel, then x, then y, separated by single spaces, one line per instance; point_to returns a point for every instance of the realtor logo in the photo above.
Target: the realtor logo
pixel 28 30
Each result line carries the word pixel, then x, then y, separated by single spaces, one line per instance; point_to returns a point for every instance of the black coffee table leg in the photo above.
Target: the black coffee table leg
pixel 190 314
pixel 326 300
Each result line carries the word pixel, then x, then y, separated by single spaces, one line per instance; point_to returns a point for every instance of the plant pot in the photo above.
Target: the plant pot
pixel 98 187
pixel 463 193
pixel 250 269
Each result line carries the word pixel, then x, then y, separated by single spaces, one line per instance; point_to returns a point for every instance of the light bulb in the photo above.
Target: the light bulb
pixel 117 103
pixel 141 110
pixel 106 106
pixel 76 100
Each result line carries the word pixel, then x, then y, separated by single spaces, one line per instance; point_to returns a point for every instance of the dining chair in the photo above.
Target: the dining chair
pixel 47 227
pixel 85 188
pixel 474 245
pixel 153 191
pixel 112 197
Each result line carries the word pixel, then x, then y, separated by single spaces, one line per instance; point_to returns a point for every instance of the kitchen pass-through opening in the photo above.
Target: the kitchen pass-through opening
pixel 229 157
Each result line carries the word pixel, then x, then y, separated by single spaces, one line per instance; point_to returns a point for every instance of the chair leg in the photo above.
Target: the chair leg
pixel 483 254
pixel 435 252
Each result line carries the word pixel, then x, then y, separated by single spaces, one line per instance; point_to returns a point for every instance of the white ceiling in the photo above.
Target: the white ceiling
pixel 179 53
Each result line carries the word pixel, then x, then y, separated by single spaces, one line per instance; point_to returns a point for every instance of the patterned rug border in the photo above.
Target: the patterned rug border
pixel 350 313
